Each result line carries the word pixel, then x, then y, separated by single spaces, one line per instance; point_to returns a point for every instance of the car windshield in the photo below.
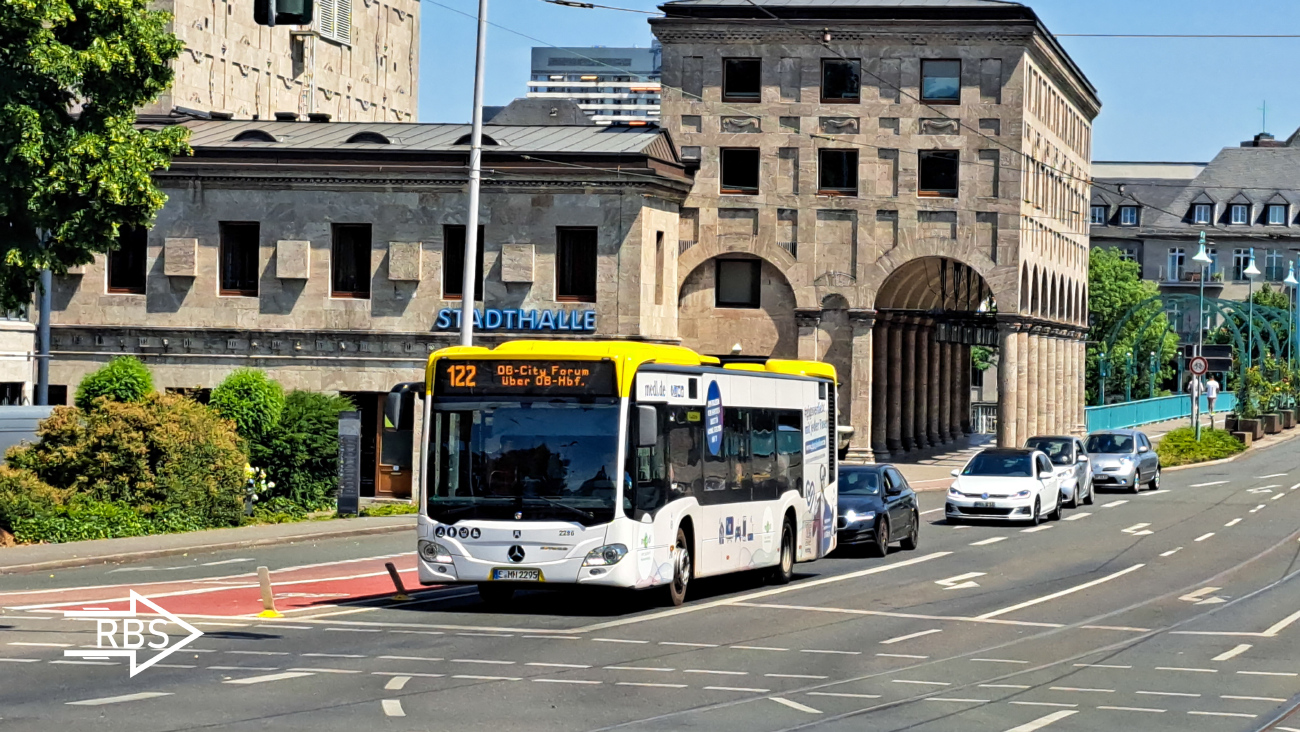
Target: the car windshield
pixel 1112 444
pixel 859 482
pixel 1059 451
pixel 551 460
pixel 994 464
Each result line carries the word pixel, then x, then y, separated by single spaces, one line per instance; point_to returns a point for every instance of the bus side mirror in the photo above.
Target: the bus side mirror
pixel 397 400
pixel 647 426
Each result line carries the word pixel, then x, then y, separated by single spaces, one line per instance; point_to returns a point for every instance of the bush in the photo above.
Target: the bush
pixel 251 400
pixel 1181 448
pixel 167 458
pixel 123 379
pixel 301 455
pixel 389 509
pixel 278 510
pixel 24 496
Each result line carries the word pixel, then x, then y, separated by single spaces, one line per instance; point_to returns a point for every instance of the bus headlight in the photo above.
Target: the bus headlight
pixel 434 552
pixel 603 556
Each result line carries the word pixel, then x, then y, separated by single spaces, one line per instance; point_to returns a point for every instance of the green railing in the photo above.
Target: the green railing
pixel 1146 411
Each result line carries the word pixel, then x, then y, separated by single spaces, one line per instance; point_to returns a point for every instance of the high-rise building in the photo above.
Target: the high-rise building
pixel 610 85
pixel 357 63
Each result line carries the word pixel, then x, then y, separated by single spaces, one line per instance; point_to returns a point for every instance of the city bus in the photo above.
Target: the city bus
pixel 552 463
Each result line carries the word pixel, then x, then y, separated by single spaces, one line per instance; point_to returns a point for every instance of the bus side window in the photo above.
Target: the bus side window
pixel 735 440
pixel 715 469
pixel 789 449
pixel 762 440
pixel 683 459
pixel 649 472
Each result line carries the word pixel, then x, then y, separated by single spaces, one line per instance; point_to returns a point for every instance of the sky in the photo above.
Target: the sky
pixel 1162 99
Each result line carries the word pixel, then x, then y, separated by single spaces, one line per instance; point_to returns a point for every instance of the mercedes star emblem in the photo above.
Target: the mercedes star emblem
pixel 516 553
pixel 985 496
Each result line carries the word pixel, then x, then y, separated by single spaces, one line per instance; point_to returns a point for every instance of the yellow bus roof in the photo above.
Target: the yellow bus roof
pixel 628 357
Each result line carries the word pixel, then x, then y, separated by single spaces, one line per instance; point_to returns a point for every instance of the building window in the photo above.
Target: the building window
pixel 1174 264
pixel 739 170
pixel 1274 266
pixel 1240 260
pixel 127 263
pixel 1126 254
pixel 350 261
pixel 837 172
pixel 1240 214
pixel 1202 213
pixel 939 173
pixel 659 268
pixel 941 82
pixel 575 264
pixel 1099 216
pixel 453 263
pixel 1128 215
pixel 742 79
pixel 240 252
pixel 1276 215
pixel 841 81
pixel 738 283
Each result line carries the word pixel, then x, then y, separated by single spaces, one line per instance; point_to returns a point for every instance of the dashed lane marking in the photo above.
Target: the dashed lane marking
pixel 1036 529
pixel 998 660
pixel 1229 655
pixel 1171 552
pixel 396 683
pixel 409 658
pixel 1113 504
pixel 620 640
pixel 393 708
pixel 119 699
pixel 1207 485
pixel 1044 704
pixel 559 665
pixel 354 630
pixel 910 636
pixel 482 660
pixel 1274 475
pixel 986 542
pixel 475 677
pixel 270 677
pixel 1082 690
pixel 688 645
pixel 427 632
pixel 1042 722
pixel 264 653
pixel 553 637
pixel 648 684
pixel 901 655
pixel 1133 709
pixel 757 648
pixel 955 700
pixel 1006 686
pixel 831 652
pixel 585 682
pixel 20 660
pixel 1077 516
pixel 1258 508
pixel 1062 593
pixel 40 645
pixel 243 668
pixel 739 689
pixel 225 561
pixel 409 674
pixel 795 705
pixel 488 635
pixel 1278 497
pixel 715 671
pixel 1203 537
pixel 317 670
pixel 1253 698
pixel 279 626
pixel 920 683
pixel 1188 670
pixel 843 695
pixel 1100 665
pixel 1267 673
pixel 658 669
pixel 1240 715
pixel 331 655
pixel 1232 523
pixel 796 676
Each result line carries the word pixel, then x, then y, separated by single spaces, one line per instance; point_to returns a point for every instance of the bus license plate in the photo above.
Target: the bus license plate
pixel 985 504
pixel 517 575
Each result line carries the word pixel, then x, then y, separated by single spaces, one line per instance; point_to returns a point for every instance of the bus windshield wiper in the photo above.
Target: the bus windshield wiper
pixel 585 514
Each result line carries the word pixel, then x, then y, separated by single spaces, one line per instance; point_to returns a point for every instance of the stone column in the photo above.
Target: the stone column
pixel 1063 344
pixel 807 320
pixel 964 378
pixel 880 388
pixel 1076 393
pixel 909 385
pixel 1044 381
pixel 894 434
pixel 1031 364
pixel 1052 404
pixel 1008 340
pixel 954 390
pixel 922 384
pixel 1023 396
pixel 860 393
pixel 932 425
pixel 945 393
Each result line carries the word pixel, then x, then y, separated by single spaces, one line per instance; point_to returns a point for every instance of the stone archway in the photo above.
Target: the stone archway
pixel 709 325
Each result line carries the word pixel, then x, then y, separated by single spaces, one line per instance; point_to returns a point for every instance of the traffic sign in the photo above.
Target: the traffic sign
pixel 1199 366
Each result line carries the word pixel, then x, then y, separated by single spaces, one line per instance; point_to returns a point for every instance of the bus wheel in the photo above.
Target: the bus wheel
pixel 783 572
pixel 682 569
pixel 493 593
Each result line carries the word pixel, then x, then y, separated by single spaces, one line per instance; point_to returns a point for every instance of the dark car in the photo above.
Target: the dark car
pixel 876 506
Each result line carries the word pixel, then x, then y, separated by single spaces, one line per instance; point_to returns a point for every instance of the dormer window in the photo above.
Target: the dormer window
pixel 1239 214
pixel 1099 215
pixel 1128 215
pixel 1202 213
pixel 1276 215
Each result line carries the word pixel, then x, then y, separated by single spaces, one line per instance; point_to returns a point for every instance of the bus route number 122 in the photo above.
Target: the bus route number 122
pixel 462 375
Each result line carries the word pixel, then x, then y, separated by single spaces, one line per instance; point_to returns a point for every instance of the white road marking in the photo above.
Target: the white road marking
pixel 921 683
pixel 956 700
pixel 843 695
pixel 1258 508
pixel 796 676
pixel 1297 485
pixel 482 660
pixel 757 648
pixel 264 653
pixel 553 637
pixel 1253 698
pixel 1263 489
pixel 21 660
pixel 1036 529
pixel 641 668
pixel 1199 597
pixel 997 660
pixel 393 708
pixel 558 665
pixel 41 645
pixel 430 632
pixel 1267 673
pixel 1006 686
pixel 713 671
pixel 741 689
pixel 488 635
pixel 656 686
pixel 1203 537
pixel 933 510
pixel 688 645
pixel 408 658
pixel 1229 655
pixel 317 670
pixel 1042 722
pixel 225 561
pixel 1062 593
pixel 901 655
pixel 119 699
pixel 1077 516
pixel 85 663
pixel 278 626
pixel 1207 485
pixel 1113 504
pixel 1155 492
pixel 332 655
pixel 1274 475
pixel 1132 709
pixel 1225 714
pixel 961 581
pixel 1075 688
pixel 1281 625
pixel 796 705
pixel 474 677
pixel 270 677
pixel 620 640
pixel 396 683
pixel 1188 670
pixel 1171 552
pixel 1137 530
pixel 1232 523
pixel 1100 665
pixel 406 673
pixel 986 542
pixel 352 630
pixel 566 681
pixel 833 653
pixel 910 636
pixel 1043 704
pixel 1278 497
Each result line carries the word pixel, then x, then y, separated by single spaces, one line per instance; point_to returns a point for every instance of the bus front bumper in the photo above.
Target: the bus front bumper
pixel 629 572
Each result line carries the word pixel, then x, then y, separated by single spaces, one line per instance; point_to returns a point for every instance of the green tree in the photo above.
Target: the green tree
pixel 1267 297
pixel 1115 287
pixel 251 400
pixel 124 379
pixel 982 357
pixel 75 165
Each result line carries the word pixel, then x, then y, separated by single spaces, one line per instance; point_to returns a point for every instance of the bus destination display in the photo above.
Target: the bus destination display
pixel 524 378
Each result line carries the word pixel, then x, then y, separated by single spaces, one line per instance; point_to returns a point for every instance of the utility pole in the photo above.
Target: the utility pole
pixel 467 293
pixel 43 331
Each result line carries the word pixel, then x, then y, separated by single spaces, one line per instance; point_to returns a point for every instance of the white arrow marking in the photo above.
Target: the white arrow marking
pixel 1199 597
pixel 393 708
pixel 1260 490
pixel 960 581
pixel 1138 530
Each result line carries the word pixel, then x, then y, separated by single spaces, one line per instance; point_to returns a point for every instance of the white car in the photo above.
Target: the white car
pixel 1005 484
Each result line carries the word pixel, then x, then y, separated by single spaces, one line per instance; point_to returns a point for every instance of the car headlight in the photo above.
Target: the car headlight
pixel 1023 494
pixel 952 491
pixel 603 556
pixel 434 552
pixel 1127 461
pixel 853 517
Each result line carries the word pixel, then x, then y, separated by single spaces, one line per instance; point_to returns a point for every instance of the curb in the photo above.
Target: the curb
pixel 1285 437
pixel 216 546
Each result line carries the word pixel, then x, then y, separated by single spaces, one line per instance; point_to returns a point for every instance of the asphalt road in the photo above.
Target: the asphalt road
pixel 1172 610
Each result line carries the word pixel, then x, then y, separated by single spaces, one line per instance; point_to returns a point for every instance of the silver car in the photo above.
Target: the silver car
pixel 1124 459
pixel 1071 461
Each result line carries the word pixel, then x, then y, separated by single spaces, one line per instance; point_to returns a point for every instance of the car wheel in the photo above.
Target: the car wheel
pixel 1075 498
pixel 1137 482
pixel 784 570
pixel 495 594
pixel 1087 500
pixel 1035 517
pixel 1155 481
pixel 913 538
pixel 683 569
pixel 880 542
pixel 1055 515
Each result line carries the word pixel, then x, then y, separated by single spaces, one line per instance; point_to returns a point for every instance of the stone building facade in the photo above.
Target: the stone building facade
pixel 328 255
pixel 354 62
pixel 910 179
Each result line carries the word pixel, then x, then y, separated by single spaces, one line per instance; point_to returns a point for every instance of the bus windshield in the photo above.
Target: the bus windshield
pixel 543 460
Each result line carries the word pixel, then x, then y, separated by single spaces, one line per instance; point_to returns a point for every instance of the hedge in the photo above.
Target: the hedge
pixel 1180 447
pixel 124 379
pixel 251 400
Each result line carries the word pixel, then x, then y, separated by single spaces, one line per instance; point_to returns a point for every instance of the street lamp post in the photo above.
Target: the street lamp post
pixel 1206 260
pixel 1151 373
pixel 470 271
pixel 1251 273
pixel 1291 306
pixel 1128 376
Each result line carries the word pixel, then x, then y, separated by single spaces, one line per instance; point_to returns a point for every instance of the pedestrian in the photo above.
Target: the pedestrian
pixel 1211 392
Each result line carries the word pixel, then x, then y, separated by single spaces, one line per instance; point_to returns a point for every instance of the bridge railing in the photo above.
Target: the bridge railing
pixel 1146 411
